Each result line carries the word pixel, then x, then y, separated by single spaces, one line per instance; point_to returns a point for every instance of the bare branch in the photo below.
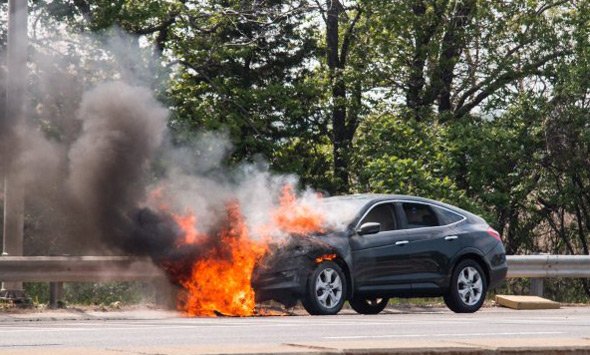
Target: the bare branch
pixel 348 37
pixel 550 6
pixel 322 11
pixel 499 81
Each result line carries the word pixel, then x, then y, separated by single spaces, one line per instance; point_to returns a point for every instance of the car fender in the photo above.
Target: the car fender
pixel 468 251
pixel 340 244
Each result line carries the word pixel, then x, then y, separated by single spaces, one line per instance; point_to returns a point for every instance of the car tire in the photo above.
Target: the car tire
pixel 369 305
pixel 326 290
pixel 468 288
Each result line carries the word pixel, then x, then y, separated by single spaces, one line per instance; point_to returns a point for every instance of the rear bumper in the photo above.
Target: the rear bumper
pixel 496 259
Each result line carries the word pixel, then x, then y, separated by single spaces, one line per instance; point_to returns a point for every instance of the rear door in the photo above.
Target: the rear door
pixel 433 242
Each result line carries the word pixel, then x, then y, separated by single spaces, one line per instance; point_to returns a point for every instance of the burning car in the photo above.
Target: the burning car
pixel 389 246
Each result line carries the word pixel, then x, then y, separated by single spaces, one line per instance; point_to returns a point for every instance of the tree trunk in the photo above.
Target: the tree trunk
pixel 453 44
pixel 414 94
pixel 340 140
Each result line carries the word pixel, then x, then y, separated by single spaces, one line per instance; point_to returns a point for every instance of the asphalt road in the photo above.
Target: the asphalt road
pixel 170 333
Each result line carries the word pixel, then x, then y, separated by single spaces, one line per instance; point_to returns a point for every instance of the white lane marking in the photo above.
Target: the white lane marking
pixel 347 321
pixel 303 320
pixel 534 321
pixel 286 323
pixel 88 329
pixel 156 327
pixel 440 335
pixel 566 318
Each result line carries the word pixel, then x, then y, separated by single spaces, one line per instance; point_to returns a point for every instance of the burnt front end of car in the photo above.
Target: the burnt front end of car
pixel 285 286
pixel 283 272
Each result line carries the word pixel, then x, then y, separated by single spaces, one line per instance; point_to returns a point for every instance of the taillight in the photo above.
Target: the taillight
pixel 494 233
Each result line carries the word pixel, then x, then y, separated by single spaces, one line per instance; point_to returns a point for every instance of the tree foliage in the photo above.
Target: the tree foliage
pixel 484 104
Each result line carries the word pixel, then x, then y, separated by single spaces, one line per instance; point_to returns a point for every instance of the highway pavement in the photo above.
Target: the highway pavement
pixel 397 330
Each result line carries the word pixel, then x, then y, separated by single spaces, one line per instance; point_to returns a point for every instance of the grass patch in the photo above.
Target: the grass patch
pixel 95 293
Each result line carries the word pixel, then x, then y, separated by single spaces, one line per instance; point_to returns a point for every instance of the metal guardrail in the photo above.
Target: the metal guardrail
pixel 539 267
pixel 58 269
pixel 77 268
pixel 125 268
pixel 547 266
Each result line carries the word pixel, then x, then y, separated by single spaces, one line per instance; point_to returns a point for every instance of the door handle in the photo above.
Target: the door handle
pixel 402 242
pixel 451 237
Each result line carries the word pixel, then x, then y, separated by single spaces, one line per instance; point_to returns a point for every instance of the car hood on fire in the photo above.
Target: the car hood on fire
pixel 308 246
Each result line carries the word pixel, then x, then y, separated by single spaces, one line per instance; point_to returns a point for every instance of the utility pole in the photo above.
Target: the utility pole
pixel 15 110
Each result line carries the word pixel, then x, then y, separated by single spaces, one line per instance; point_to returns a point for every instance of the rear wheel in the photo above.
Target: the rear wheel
pixel 468 288
pixel 326 290
pixel 369 305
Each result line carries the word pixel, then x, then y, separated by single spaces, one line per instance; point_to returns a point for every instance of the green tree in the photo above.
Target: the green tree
pixel 242 67
pixel 563 197
pixel 454 56
pixel 498 163
pixel 394 155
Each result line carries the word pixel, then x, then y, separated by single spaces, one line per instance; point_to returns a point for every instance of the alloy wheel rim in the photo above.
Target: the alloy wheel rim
pixel 328 288
pixel 470 285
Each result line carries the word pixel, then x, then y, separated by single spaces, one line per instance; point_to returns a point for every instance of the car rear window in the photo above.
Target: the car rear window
pixel 448 217
pixel 419 215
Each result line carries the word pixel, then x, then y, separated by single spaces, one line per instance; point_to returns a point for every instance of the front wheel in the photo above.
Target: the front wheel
pixel 468 288
pixel 326 290
pixel 369 305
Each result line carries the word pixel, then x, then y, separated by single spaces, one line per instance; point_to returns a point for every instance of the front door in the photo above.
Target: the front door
pixel 378 258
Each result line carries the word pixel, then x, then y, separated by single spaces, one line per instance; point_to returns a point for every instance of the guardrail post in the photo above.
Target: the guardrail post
pixel 56 291
pixel 536 288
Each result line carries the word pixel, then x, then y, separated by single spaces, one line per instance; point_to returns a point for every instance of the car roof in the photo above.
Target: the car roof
pixel 371 197
pixel 378 197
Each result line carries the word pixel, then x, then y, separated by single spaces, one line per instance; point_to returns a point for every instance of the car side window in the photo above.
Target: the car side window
pixel 383 214
pixel 447 217
pixel 419 215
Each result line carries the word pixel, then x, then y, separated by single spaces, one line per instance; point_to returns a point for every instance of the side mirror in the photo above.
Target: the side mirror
pixel 369 228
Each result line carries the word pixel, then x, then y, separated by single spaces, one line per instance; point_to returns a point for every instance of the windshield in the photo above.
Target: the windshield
pixel 340 211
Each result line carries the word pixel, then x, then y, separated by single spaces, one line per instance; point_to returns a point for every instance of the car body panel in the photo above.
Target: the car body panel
pixel 414 262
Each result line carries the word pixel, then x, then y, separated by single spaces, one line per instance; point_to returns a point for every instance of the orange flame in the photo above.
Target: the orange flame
pixel 295 216
pixel 326 257
pixel 219 281
pixel 188 224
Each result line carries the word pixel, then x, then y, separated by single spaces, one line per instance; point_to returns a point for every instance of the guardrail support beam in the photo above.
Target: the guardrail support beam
pixel 56 294
pixel 536 288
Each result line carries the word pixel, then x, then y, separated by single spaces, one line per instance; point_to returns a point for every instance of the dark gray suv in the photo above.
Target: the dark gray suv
pixel 392 246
